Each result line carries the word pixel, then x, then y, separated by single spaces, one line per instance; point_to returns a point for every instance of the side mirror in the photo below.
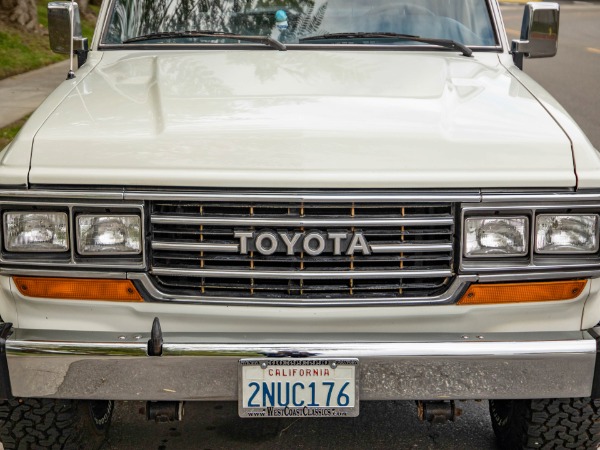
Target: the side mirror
pixel 59 30
pixel 539 32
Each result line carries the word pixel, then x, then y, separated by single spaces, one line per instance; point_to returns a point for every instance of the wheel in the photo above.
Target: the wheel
pixel 567 423
pixel 35 423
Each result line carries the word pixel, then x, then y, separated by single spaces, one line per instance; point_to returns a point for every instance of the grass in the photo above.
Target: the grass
pixel 8 133
pixel 21 51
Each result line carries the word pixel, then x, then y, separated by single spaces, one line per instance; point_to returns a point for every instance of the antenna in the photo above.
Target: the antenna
pixel 71 73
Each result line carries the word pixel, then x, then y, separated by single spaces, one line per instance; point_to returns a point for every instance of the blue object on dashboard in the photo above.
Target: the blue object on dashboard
pixel 281 19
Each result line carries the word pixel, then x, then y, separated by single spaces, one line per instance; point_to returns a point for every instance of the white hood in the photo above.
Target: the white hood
pixel 301 119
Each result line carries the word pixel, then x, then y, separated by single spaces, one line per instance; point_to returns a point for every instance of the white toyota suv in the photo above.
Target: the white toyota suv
pixel 300 206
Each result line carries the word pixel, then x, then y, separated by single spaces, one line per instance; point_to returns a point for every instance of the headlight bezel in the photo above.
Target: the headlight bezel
pixel 71 257
pixel 533 261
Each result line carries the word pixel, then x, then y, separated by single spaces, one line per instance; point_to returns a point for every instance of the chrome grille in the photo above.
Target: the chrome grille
pixel 194 251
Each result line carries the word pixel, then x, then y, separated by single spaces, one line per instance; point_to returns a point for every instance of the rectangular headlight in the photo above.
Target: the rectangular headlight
pixel 496 236
pixel 566 233
pixel 36 231
pixel 109 235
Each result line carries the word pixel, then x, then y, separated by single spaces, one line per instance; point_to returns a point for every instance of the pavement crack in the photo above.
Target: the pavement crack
pixel 288 427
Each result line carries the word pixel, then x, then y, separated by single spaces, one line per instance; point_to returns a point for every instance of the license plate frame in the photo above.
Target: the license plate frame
pixel 339 371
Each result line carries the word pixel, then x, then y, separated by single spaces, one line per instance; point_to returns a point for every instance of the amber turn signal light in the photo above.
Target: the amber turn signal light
pixel 485 294
pixel 78 289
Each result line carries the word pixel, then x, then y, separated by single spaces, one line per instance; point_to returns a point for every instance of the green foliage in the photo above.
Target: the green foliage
pixel 22 51
pixel 88 24
pixel 8 133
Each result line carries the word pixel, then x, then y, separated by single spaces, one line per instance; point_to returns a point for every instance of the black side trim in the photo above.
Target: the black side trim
pixel 596 384
pixel 82 54
pixel 5 389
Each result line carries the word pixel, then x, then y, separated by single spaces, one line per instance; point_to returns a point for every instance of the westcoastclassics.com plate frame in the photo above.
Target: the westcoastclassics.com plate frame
pixel 302 411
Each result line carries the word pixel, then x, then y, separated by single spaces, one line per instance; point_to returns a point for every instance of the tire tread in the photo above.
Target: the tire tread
pixel 571 423
pixel 31 423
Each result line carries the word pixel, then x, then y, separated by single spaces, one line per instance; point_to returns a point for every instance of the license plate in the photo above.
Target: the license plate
pixel 296 387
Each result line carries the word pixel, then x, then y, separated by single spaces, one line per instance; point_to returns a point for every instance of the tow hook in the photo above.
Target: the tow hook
pixel 164 411
pixel 437 411
pixel 161 411
pixel 155 343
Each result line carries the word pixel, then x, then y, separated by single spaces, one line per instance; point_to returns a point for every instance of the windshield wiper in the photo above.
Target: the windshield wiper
pixel 208 33
pixel 448 43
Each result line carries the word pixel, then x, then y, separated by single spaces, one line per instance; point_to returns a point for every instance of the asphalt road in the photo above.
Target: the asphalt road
pixel 381 425
pixel 573 77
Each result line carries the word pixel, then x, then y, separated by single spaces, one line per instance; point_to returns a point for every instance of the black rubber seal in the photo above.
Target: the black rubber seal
pixel 5 388
pixel 596 383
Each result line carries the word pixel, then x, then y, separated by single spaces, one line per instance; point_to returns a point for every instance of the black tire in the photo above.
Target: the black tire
pixel 35 423
pixel 567 423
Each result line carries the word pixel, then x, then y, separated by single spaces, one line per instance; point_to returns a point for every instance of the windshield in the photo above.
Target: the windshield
pixel 291 22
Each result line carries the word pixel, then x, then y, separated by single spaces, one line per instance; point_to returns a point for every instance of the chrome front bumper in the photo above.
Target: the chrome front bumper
pixel 205 367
